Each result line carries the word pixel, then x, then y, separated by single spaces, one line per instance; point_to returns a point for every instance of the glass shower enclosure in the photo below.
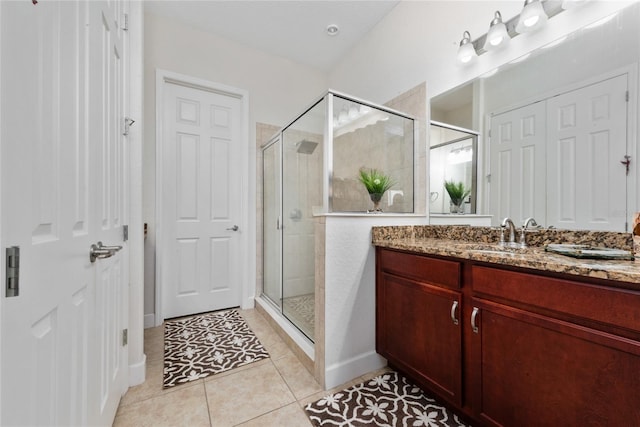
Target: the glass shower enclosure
pixel 311 169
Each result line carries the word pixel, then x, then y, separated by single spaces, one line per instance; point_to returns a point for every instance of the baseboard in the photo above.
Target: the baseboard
pixel 340 373
pixel 248 304
pixel 137 372
pixel 149 320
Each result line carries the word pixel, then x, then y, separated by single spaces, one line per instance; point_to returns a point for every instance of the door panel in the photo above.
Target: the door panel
pixel 201 201
pixel 518 159
pixel 586 141
pixel 63 177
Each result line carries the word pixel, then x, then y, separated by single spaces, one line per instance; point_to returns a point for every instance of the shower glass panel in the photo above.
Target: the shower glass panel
pixel 311 170
pixel 371 138
pixel 271 243
pixel 302 154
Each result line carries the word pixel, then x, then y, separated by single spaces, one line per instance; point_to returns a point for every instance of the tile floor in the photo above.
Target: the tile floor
pixel 270 392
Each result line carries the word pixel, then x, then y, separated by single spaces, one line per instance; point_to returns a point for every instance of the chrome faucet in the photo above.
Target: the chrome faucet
pixel 507 222
pixel 527 222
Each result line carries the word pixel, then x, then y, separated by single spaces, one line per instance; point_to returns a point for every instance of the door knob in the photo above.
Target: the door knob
pixel 234 228
pixel 99 251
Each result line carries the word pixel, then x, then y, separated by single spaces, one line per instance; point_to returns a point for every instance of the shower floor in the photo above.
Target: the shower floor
pixel 301 311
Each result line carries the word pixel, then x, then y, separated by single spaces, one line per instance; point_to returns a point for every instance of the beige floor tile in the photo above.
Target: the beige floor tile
pixel 184 407
pixel 246 394
pixel 290 416
pixel 299 380
pixel 154 347
pixel 152 386
pixel 275 346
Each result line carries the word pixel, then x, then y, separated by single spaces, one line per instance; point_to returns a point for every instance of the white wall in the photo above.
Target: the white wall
pixel 279 89
pixel 418 42
pixel 350 295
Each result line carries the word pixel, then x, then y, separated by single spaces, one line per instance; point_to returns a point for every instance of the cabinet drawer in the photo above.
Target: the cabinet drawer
pixel 605 305
pixel 420 268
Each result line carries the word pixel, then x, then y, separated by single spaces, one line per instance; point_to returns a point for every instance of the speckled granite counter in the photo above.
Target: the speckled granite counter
pixel 479 244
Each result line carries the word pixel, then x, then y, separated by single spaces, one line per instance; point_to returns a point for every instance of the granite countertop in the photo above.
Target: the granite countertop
pixel 479 244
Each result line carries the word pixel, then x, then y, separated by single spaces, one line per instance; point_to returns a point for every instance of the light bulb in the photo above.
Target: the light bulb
pixel 532 16
pixel 497 35
pixel 466 51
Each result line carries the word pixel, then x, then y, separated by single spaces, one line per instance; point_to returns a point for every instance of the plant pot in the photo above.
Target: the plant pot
pixel 375 198
pixel 456 208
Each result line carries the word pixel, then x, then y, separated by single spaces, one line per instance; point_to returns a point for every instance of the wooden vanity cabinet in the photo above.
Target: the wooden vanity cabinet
pixel 539 350
pixel 546 351
pixel 417 317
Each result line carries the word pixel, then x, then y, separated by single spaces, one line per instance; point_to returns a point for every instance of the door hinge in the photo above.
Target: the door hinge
pixel 626 96
pixel 125 337
pixel 489 133
pixel 13 271
pixel 125 233
pixel 125 22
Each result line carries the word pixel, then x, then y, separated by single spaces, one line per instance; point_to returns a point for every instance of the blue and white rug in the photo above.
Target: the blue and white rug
pixel 207 344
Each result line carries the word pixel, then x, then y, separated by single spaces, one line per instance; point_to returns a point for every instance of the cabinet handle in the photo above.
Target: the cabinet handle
pixel 454 307
pixel 474 315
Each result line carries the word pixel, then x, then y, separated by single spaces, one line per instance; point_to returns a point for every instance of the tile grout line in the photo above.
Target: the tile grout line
pixel 206 398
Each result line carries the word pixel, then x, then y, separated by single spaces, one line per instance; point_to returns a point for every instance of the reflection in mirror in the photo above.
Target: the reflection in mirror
pixel 555 126
pixel 452 159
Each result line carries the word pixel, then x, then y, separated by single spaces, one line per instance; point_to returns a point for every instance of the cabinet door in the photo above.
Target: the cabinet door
pixel 417 332
pixel 533 370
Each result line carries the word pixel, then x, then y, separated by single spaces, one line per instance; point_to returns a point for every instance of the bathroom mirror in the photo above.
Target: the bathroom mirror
pixel 453 158
pixel 555 126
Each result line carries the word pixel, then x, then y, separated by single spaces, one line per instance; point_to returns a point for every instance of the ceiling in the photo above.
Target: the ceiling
pixel 295 30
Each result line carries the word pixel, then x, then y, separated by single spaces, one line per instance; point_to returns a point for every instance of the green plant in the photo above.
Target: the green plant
pixel 457 192
pixel 375 181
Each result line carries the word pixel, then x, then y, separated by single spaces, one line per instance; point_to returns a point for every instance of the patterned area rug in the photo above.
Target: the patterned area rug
pixel 387 400
pixel 199 346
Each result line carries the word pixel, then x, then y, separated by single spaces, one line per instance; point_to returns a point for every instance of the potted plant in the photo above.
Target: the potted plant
pixel 457 193
pixel 376 183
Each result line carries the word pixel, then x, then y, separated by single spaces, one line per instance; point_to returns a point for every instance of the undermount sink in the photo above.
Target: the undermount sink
pixel 496 248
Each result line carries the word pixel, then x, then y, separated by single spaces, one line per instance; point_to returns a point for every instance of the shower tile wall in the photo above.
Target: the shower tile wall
pixel 414 103
pixel 374 147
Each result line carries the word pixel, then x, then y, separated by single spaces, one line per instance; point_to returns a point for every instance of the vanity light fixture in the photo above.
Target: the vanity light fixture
pixel 497 35
pixel 534 14
pixel 466 51
pixel 532 17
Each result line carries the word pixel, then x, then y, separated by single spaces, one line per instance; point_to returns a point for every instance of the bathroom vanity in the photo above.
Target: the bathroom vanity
pixel 511 337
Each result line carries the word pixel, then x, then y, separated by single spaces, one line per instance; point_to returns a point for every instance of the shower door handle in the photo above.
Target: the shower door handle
pixel 234 228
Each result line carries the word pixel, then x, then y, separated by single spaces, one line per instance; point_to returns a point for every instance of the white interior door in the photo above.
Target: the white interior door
pixel 517 187
pixel 587 139
pixel 201 205
pixel 63 189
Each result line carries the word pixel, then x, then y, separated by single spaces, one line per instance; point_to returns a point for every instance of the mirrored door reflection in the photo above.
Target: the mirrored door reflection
pixel 453 160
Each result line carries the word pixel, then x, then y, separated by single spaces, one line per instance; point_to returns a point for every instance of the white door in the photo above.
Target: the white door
pixel 63 181
pixel 587 139
pixel 517 187
pixel 201 204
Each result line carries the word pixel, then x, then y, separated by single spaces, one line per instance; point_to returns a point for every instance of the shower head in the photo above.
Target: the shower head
pixel 305 146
